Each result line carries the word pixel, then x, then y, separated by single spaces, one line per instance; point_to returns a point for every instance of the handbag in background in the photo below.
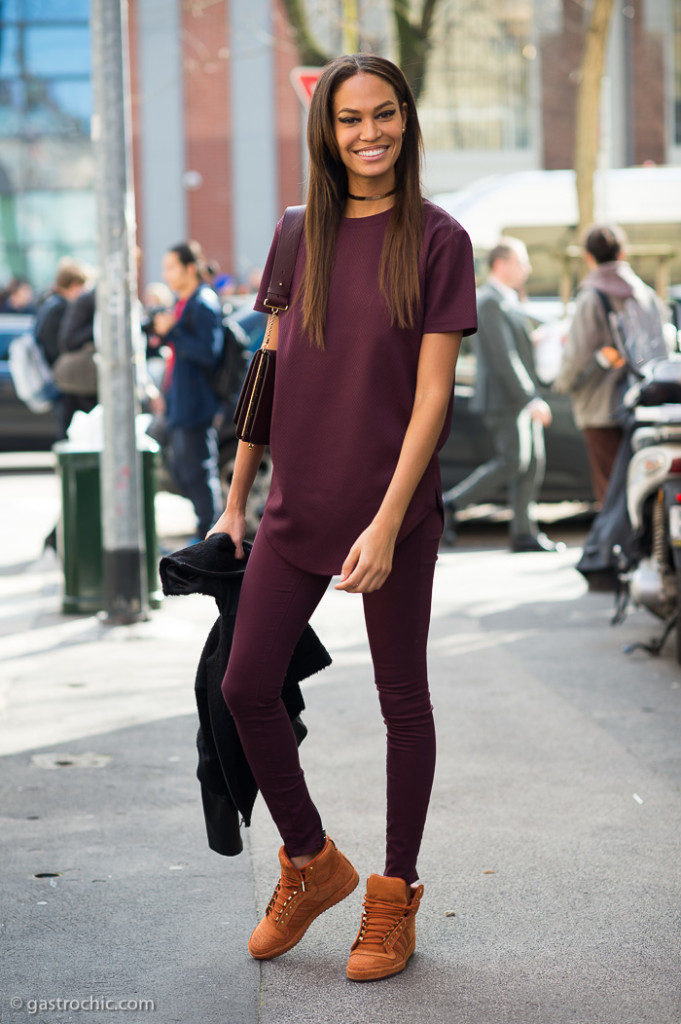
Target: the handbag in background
pixel 75 372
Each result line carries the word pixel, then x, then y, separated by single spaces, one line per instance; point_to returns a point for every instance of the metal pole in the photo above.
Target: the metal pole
pixel 121 469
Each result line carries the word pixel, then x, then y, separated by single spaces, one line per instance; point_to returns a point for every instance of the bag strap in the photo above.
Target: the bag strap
pixel 606 303
pixel 614 326
pixel 279 288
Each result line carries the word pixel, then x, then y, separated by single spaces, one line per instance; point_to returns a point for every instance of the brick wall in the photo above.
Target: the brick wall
pixel 648 93
pixel 290 116
pixel 207 127
pixel 560 57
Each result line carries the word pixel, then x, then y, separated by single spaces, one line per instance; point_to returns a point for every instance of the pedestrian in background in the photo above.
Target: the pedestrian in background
pixel 17 297
pixel 69 283
pixel 507 395
pixel 74 370
pixel 382 291
pixel 193 331
pixel 593 370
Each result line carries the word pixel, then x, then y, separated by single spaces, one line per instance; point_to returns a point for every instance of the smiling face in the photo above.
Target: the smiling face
pixel 368 125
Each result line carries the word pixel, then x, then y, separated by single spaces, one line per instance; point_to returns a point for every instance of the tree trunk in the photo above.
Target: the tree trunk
pixel 587 128
pixel 413 39
pixel 309 52
pixel 413 36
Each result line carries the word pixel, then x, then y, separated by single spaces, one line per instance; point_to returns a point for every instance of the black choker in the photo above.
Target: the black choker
pixel 365 199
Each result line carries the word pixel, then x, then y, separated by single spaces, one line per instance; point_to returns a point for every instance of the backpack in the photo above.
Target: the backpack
pixel 637 331
pixel 227 375
pixel 31 374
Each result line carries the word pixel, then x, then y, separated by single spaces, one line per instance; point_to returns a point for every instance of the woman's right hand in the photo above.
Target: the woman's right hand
pixel 234 524
pixel 233 519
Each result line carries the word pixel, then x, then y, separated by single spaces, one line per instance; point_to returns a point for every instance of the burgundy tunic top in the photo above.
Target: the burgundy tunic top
pixel 340 415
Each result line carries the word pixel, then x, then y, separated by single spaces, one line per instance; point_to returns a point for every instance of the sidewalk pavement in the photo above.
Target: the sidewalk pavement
pixel 551 859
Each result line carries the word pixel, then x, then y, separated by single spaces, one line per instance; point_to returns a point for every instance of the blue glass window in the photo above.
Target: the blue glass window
pixel 57 51
pixel 47 205
pixel 10 10
pixel 56 10
pixel 74 100
pixel 9 52
pixel 12 106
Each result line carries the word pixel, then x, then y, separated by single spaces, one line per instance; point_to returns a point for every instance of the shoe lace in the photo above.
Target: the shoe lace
pixel 285 891
pixel 379 919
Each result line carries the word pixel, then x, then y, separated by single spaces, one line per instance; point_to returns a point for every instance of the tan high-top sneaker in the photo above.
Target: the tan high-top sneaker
pixel 387 935
pixel 300 897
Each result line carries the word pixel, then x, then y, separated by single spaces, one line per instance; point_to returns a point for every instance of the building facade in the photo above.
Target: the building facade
pixel 218 130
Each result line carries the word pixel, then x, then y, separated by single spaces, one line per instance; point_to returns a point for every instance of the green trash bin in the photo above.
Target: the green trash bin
pixel 79 537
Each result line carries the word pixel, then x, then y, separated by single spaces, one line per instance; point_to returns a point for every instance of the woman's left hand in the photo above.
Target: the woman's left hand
pixel 369 561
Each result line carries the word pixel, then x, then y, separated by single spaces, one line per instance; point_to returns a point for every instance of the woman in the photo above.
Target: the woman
pixel 383 290
pixel 194 332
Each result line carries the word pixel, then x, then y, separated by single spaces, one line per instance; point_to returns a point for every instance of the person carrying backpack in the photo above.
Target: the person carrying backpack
pixel 69 284
pixel 593 369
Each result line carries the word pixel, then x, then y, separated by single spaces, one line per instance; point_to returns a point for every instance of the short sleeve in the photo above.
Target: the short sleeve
pixel 449 287
pixel 259 303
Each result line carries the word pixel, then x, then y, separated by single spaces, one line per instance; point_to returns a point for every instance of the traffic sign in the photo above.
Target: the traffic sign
pixel 304 80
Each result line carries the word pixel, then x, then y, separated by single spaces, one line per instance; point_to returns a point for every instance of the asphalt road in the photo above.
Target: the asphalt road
pixel 551 859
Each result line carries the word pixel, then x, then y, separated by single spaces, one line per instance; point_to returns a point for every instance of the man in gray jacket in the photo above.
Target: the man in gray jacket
pixel 506 394
pixel 593 370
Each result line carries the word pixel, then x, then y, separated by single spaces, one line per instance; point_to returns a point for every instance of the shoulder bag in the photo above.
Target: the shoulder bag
pixel 253 413
pixel 75 372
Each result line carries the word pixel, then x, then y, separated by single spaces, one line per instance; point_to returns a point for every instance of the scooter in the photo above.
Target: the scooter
pixel 649 573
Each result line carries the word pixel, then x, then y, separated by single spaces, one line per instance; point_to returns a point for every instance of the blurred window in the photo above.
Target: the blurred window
pixel 55 50
pixel 55 10
pixel 46 162
pixel 477 93
pixel 9 52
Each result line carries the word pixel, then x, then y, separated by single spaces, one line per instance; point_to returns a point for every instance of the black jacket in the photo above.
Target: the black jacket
pixel 228 789
pixel 47 324
pixel 77 326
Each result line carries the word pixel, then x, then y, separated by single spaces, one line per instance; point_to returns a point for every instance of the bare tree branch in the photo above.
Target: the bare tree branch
pixel 413 37
pixel 310 51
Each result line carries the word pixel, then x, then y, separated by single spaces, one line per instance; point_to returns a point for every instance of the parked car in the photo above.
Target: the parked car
pixel 469 445
pixel 567 473
pixel 20 429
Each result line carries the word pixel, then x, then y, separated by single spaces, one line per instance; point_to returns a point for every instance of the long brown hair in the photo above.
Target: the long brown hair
pixel 328 191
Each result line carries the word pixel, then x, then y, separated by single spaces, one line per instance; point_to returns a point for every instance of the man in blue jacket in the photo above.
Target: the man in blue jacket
pixel 193 330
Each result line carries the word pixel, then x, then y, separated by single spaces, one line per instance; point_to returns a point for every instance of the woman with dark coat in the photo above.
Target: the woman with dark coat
pixel 382 292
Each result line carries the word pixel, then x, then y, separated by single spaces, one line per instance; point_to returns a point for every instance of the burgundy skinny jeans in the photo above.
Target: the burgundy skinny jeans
pixel 276 602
